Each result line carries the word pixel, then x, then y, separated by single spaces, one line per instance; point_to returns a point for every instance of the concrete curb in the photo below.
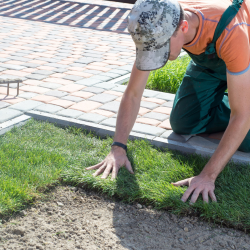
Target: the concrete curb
pixel 192 146
pixel 120 80
pixel 16 122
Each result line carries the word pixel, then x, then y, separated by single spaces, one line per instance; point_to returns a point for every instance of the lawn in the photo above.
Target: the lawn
pixel 168 78
pixel 41 154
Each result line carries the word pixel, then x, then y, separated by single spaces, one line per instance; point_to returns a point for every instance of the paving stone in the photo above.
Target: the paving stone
pixel 12 85
pixel 120 88
pixel 168 104
pixel 56 65
pixel 93 90
pixel 50 85
pixel 111 122
pixel 12 77
pixel 157 116
pixel 91 117
pixel 147 129
pixel 36 76
pixel 127 68
pixel 105 85
pixel 72 98
pixel 91 55
pixel 63 54
pixel 103 112
pixel 149 105
pixel 7 114
pixel 30 65
pixel 71 88
pixel 112 66
pixel 125 60
pixel 111 106
pixel 19 54
pixel 49 108
pixel 59 58
pixel 56 93
pixel 19 58
pixel 118 71
pixel 170 135
pixel 102 78
pixel 154 100
pixel 44 72
pixel 62 103
pixel 49 60
pixel 26 105
pixel 70 113
pixel 28 95
pixel 64 50
pixel 73 77
pixel 92 71
pixel 44 98
pixel 81 65
pixel 150 93
pixel 165 124
pixel 88 82
pixel 85 60
pixel 164 110
pixel 103 98
pixel 60 70
pixel 3 105
pixel 86 106
pixel 3 60
pixel 112 75
pixel 165 96
pixel 12 66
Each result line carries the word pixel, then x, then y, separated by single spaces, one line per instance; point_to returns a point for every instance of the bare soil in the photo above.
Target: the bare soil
pixel 70 219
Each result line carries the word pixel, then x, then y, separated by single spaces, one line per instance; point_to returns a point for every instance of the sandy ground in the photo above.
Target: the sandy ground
pixel 77 219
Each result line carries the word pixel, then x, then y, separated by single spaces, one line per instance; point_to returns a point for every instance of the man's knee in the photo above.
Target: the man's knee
pixel 178 125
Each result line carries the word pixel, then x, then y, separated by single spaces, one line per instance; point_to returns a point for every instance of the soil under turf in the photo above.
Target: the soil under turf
pixel 71 218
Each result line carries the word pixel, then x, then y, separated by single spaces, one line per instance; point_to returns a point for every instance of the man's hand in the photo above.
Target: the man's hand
pixel 197 184
pixel 113 162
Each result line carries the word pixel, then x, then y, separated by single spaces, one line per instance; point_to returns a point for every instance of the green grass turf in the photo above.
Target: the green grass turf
pixel 168 78
pixel 40 154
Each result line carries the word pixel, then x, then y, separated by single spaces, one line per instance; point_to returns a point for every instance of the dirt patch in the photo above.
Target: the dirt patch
pixel 76 219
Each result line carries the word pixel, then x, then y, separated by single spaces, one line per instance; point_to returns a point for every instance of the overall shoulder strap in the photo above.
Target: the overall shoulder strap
pixel 226 18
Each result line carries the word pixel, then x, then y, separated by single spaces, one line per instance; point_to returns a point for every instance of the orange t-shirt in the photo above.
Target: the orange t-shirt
pixel 233 44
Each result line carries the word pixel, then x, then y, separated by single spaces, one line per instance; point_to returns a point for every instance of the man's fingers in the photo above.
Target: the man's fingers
pixel 187 194
pixel 205 196
pixel 115 172
pixel 212 195
pixel 95 166
pixel 100 170
pixel 181 183
pixel 107 171
pixel 129 167
pixel 195 195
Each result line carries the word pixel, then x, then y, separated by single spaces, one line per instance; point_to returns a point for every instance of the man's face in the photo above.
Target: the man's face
pixel 176 43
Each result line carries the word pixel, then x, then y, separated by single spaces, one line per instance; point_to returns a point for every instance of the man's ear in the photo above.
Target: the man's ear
pixel 184 26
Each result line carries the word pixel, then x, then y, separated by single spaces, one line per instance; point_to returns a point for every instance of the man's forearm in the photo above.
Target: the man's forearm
pixel 130 104
pixel 127 114
pixel 234 135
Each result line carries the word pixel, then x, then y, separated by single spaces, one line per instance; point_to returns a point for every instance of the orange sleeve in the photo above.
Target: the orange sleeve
pixel 234 50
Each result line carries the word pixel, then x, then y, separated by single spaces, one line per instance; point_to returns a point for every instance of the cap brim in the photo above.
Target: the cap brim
pixel 152 60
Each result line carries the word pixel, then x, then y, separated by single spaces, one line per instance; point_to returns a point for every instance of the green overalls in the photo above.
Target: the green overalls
pixel 201 104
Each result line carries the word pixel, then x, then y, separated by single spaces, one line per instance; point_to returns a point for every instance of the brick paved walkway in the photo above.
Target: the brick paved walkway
pixel 73 57
pixel 98 15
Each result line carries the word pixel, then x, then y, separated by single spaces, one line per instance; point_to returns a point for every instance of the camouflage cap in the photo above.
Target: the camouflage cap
pixel 151 24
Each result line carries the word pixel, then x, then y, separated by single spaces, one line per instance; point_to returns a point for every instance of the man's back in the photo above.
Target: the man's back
pixel 233 45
